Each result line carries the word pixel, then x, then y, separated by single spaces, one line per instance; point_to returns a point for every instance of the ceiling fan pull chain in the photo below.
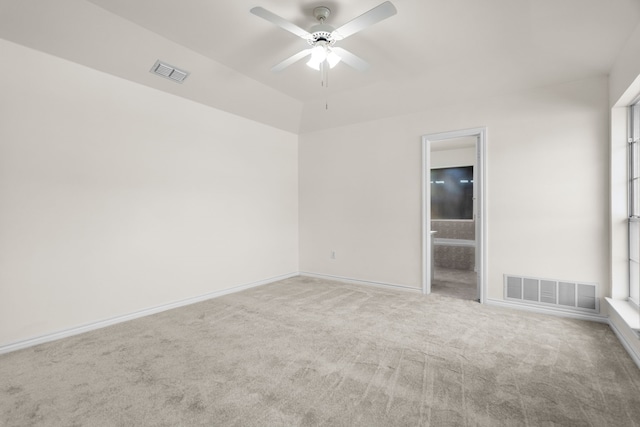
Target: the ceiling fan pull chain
pixel 326 86
pixel 326 74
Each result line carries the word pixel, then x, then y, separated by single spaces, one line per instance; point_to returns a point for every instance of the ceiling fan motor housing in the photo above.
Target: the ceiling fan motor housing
pixel 321 32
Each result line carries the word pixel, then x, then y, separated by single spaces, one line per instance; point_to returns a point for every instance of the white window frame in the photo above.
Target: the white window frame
pixel 634 203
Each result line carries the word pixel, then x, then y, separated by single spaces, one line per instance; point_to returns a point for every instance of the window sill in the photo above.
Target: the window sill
pixel 627 312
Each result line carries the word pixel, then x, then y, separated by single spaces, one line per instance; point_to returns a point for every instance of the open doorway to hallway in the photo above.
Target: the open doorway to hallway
pixel 453 227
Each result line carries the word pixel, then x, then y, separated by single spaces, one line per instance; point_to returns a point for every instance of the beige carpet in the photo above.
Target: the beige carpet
pixel 311 352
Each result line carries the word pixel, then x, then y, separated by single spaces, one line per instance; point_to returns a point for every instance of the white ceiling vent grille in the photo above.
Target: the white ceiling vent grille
pixel 169 71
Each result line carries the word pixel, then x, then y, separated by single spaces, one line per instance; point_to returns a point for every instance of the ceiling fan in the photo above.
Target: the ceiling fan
pixel 322 37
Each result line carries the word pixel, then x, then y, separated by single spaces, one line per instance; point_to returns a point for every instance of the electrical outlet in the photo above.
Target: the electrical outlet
pixel 333 254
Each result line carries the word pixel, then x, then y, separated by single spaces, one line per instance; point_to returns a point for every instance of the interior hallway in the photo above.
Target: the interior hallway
pixel 461 284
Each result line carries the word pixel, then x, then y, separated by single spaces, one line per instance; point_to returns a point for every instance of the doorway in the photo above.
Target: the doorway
pixel 453 213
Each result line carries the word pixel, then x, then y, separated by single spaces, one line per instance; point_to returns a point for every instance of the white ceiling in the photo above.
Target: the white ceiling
pixel 432 52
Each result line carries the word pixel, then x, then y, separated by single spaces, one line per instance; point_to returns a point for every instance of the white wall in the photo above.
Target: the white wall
pixel 547 198
pixel 625 71
pixel 115 197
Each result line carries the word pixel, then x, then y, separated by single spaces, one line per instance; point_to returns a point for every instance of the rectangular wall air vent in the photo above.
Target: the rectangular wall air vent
pixel 562 294
pixel 169 71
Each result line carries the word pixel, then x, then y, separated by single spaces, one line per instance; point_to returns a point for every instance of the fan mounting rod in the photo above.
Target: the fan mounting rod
pixel 321 31
pixel 321 13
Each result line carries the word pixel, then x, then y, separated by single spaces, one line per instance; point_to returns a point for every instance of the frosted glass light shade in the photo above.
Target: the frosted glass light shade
pixel 332 59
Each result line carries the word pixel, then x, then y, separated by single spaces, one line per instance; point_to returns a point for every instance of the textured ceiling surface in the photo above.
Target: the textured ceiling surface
pixel 430 52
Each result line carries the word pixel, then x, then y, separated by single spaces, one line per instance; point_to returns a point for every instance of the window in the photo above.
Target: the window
pixel 452 193
pixel 634 203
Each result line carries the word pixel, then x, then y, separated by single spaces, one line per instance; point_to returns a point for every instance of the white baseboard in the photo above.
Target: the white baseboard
pixel 625 343
pixel 593 317
pixel 146 312
pixel 624 321
pixel 360 282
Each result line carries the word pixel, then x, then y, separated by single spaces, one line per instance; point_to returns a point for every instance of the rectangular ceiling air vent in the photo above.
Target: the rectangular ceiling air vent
pixel 169 71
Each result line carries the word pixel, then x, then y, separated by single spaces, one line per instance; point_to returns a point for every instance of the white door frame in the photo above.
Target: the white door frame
pixel 481 214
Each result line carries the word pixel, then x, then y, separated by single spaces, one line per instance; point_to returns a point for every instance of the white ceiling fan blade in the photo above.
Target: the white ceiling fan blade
pixel 351 59
pixel 291 60
pixel 375 15
pixel 280 22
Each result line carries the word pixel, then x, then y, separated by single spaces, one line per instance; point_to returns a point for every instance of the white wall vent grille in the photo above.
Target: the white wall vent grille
pixel 169 71
pixel 562 294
